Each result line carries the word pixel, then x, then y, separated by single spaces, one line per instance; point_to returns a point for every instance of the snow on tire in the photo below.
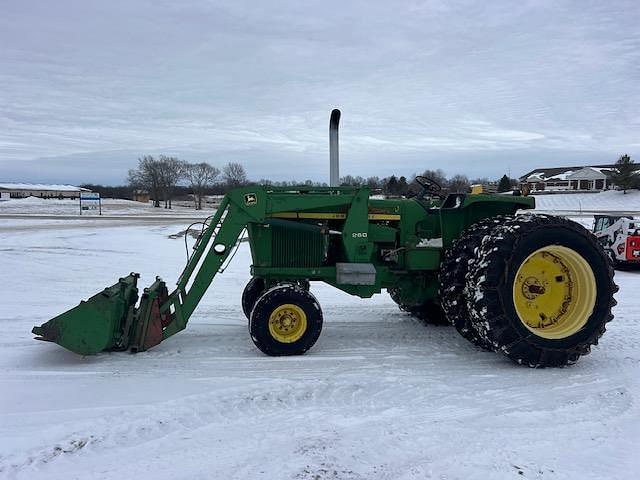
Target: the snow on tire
pixel 453 273
pixel 541 290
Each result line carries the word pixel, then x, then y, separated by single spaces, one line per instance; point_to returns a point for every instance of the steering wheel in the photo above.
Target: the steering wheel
pixel 429 186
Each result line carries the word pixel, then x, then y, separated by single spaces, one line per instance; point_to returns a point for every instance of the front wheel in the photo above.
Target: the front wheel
pixel 256 287
pixel 540 290
pixel 286 320
pixel 251 293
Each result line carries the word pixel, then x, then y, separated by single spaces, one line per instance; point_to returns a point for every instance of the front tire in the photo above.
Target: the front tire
pixel 540 290
pixel 286 320
pixel 255 287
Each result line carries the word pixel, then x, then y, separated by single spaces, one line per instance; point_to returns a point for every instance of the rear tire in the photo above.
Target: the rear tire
pixel 430 313
pixel 612 258
pixel 286 320
pixel 541 291
pixel 453 274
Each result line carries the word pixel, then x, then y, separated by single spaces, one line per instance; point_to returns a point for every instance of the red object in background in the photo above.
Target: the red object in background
pixel 633 248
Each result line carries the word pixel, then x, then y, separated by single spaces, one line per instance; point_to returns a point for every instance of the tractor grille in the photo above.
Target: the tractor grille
pixel 296 248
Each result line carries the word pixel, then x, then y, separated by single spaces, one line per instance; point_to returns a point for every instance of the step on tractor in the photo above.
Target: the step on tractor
pixel 536 288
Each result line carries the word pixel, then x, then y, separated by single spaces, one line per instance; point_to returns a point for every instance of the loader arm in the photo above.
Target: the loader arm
pixel 237 210
pixel 225 229
pixel 211 251
pixel 110 320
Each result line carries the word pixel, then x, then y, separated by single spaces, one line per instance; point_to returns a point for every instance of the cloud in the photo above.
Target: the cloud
pixel 88 82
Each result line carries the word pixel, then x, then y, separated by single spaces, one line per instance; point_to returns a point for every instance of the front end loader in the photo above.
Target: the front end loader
pixel 538 289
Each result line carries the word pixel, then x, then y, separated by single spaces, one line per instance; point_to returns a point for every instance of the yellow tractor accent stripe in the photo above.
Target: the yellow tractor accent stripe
pixel 384 216
pixel 332 216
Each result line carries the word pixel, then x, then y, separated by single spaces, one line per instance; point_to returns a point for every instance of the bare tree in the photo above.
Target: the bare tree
pixel 171 171
pixel 373 182
pixel 479 181
pixel 351 181
pixel 234 175
pixel 147 177
pixel 458 184
pixel 201 177
pixel 158 176
pixel 437 175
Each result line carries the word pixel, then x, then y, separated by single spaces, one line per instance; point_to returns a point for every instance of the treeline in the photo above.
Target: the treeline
pixel 167 178
pixel 403 186
pixel 163 177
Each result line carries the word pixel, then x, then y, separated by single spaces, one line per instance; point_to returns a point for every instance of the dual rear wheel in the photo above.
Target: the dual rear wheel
pixel 536 288
pixel 429 312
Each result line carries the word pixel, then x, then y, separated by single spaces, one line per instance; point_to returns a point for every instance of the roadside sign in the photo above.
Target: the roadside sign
pixel 90 202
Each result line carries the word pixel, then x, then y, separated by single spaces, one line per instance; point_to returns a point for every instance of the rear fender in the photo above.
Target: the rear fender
pixel 459 211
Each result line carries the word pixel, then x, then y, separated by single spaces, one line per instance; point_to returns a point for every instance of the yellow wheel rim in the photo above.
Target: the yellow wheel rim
pixel 287 323
pixel 554 292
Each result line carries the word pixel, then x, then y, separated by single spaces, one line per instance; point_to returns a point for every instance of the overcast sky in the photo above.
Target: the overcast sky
pixel 475 87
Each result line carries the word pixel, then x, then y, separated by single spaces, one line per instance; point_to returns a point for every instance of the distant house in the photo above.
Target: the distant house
pixel 23 190
pixel 548 179
pixel 141 196
pixel 593 178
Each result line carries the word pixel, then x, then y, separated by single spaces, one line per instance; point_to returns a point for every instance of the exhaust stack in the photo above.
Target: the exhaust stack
pixel 334 161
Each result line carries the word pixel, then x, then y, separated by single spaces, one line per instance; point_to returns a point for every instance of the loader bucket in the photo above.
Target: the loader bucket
pixel 150 322
pixel 97 324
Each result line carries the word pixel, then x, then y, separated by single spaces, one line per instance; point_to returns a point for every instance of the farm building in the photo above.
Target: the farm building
pixel 141 196
pixel 594 178
pixel 23 190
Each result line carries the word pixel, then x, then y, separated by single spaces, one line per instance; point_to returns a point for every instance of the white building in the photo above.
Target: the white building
pixel 23 190
pixel 567 179
pixel 590 178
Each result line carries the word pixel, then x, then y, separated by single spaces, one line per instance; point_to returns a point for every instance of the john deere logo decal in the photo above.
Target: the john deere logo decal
pixel 250 199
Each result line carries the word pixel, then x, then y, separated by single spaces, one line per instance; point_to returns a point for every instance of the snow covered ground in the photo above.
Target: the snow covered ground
pixel 110 206
pixel 380 396
pixel 609 201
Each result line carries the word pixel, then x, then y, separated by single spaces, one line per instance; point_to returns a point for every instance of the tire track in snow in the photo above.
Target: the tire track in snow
pixel 373 401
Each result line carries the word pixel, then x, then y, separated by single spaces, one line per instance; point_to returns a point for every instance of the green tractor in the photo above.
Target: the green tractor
pixel 537 288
